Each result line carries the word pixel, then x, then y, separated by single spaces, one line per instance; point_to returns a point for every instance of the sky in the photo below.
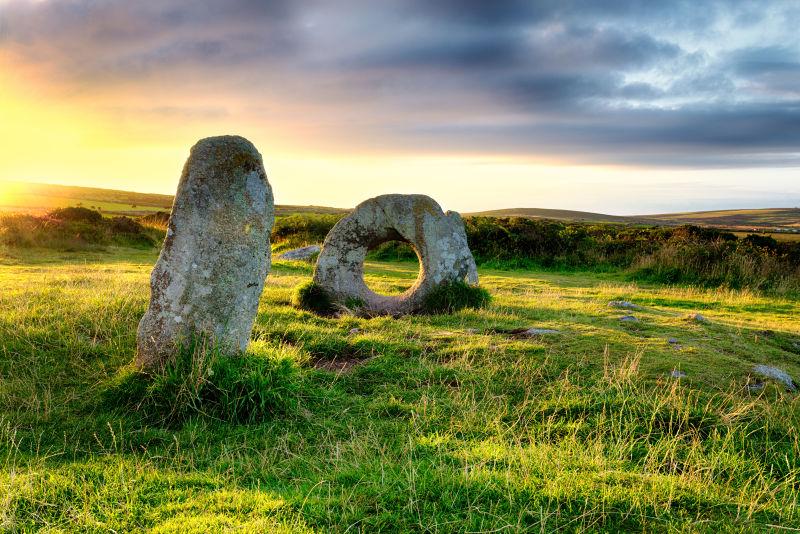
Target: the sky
pixel 615 106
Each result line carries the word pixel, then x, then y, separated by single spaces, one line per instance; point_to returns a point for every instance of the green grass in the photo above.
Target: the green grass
pixel 432 423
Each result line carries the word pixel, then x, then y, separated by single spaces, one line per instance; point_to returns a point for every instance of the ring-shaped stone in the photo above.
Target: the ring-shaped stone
pixel 438 238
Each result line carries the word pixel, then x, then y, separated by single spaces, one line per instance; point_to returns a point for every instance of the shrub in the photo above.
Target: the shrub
pixel 299 230
pixel 310 296
pixel 393 251
pixel 75 229
pixel 158 220
pixel 243 388
pixel 455 296
pixel 76 214
pixel 733 264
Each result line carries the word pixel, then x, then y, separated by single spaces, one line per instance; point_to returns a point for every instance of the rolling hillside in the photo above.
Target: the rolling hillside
pixel 562 215
pixel 769 219
pixel 38 198
pixel 773 217
pixel 43 197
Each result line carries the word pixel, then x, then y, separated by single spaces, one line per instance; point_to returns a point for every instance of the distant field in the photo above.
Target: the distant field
pixel 39 198
pixel 778 236
pixel 761 219
pixel 43 197
pixel 564 215
pixel 772 217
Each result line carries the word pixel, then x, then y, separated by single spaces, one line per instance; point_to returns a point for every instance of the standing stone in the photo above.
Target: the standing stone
pixel 216 255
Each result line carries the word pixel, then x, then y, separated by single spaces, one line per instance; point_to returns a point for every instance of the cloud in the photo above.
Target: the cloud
pixel 621 81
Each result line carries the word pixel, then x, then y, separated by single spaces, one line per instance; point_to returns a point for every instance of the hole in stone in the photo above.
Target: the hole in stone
pixel 391 267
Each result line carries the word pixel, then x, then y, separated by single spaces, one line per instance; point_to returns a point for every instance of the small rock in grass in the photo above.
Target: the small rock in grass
pixel 355 331
pixel 677 374
pixel 776 374
pixel 624 304
pixel 755 387
pixel 628 319
pixel 533 332
pixel 471 331
pixel 673 341
pixel 300 254
pixel 696 317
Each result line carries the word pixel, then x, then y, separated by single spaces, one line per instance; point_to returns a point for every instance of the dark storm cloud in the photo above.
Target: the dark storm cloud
pixel 664 83
pixel 764 60
pixel 86 37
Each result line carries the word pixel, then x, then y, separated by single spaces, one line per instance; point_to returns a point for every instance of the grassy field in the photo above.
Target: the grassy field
pixel 431 423
pixel 745 220
pixel 775 217
pixel 25 197
pixel 41 198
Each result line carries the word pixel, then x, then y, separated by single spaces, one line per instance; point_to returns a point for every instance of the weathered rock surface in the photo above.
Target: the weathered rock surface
pixel 624 304
pixel 301 254
pixel 696 317
pixel 776 374
pixel 215 258
pixel 676 373
pixel 629 319
pixel 534 332
pixel 439 239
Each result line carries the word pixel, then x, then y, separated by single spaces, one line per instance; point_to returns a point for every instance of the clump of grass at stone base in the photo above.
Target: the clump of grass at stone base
pixel 312 297
pixel 447 298
pixel 454 296
pixel 200 380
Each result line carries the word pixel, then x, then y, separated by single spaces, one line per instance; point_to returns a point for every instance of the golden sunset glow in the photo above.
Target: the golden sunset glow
pixel 114 94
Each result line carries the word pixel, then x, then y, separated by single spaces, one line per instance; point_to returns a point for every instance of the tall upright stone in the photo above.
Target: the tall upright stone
pixel 211 271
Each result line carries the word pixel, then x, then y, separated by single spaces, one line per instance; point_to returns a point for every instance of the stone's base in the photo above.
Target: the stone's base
pixel 438 238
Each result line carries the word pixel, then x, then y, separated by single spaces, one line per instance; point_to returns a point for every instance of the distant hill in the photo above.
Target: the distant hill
pixel 759 218
pixel 38 198
pixel 562 215
pixel 771 219
pixel 15 196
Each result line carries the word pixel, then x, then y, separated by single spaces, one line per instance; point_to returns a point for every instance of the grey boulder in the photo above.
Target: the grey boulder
pixel 776 374
pixel 208 279
pixel 300 254
pixel 438 238
pixel 624 304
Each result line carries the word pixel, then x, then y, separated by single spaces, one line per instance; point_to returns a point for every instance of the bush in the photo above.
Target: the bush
pixel 75 229
pixel 683 254
pixel 299 230
pixel 455 296
pixel 76 214
pixel 242 388
pixel 393 251
pixel 158 220
pixel 310 296
pixel 733 264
